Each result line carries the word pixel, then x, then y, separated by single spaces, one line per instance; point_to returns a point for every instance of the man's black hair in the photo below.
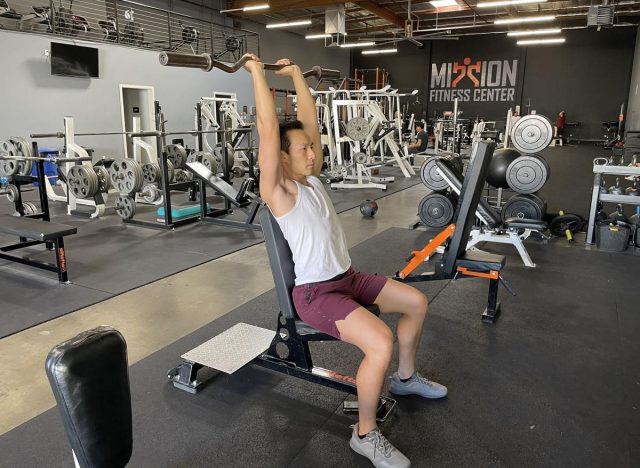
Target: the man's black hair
pixel 420 124
pixel 284 130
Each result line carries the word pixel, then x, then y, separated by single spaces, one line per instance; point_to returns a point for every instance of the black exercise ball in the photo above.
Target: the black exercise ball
pixel 497 175
pixel 368 208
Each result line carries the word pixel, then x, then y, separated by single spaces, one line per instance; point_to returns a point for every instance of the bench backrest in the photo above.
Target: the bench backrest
pixel 468 200
pixel 484 210
pixel 281 260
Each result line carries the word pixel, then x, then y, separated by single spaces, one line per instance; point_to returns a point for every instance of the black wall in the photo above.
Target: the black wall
pixel 588 76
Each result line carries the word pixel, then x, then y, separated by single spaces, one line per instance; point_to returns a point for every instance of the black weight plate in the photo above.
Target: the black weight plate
pixel 430 175
pixel 436 210
pixel 527 173
pixel 560 224
pixel 523 207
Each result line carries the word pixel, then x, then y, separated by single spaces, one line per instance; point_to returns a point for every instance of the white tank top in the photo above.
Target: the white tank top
pixel 315 235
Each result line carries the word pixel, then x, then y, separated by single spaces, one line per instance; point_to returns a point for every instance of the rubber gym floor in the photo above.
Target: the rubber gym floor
pixel 554 382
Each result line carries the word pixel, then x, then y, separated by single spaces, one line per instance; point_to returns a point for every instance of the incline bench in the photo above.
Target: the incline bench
pixel 457 262
pixel 32 232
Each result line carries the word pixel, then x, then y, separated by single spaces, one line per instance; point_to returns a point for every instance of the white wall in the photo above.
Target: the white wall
pixel 33 101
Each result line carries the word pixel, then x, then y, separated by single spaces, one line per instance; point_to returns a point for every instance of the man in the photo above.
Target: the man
pixel 560 123
pixel 328 293
pixel 422 138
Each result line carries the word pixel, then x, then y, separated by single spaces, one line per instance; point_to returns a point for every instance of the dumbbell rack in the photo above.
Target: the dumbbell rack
pixel 596 197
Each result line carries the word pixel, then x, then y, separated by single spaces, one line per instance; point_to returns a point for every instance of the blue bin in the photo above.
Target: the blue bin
pixel 50 168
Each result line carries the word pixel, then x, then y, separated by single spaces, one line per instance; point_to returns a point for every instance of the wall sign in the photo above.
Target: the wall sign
pixel 469 81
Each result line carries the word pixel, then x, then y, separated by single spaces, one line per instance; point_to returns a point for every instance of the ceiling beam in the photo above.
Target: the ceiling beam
pixel 382 12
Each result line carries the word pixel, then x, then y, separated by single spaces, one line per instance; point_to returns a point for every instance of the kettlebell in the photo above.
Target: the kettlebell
pixel 618 216
pixel 616 189
pixel 633 190
pixel 603 187
pixel 368 208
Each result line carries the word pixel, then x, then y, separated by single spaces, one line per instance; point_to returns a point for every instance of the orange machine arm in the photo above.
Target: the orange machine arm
pixel 420 255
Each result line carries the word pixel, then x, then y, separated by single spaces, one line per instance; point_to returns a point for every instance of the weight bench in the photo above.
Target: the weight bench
pixel 34 232
pixel 288 351
pixel 242 199
pixel 457 262
pixel 496 230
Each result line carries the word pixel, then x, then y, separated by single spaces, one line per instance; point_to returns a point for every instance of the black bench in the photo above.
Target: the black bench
pixel 457 262
pixel 32 232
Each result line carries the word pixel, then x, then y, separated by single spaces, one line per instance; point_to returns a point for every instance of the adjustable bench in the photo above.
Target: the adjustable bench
pixel 288 351
pixel 496 230
pixel 32 232
pixel 457 262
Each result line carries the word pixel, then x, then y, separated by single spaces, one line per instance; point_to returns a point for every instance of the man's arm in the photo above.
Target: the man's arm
pixel 271 175
pixel 306 110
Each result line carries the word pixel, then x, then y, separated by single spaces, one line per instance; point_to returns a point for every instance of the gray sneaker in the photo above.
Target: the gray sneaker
pixel 378 449
pixel 417 385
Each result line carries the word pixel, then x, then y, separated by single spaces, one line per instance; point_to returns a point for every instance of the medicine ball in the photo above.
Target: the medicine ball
pixel 497 175
pixel 368 208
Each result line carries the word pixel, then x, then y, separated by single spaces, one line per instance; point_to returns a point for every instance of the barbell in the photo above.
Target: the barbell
pixel 206 62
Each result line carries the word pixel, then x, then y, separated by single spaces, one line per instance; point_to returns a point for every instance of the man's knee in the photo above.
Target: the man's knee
pixel 419 303
pixel 381 347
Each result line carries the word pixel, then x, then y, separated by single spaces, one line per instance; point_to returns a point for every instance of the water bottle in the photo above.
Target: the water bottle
pixel 4 181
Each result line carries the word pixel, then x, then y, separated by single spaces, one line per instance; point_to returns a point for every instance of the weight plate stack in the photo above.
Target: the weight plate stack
pixel 527 173
pixel 177 155
pixel 126 176
pixel 436 209
pixel 531 133
pixel 524 206
pixel 83 181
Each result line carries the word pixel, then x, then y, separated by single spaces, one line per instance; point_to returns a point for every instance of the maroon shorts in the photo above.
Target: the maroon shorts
pixel 322 304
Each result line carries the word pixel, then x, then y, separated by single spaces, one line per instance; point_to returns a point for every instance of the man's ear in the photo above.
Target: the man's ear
pixel 284 157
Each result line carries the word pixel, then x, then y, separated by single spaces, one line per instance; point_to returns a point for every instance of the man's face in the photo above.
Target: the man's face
pixel 300 158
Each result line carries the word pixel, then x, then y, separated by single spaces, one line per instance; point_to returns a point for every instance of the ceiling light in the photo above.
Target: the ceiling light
pixel 506 3
pixel 289 24
pixel 555 40
pixel 256 7
pixel 535 32
pixel 526 19
pixel 264 6
pixel 379 51
pixel 443 3
pixel 447 28
pixel 358 44
pixel 317 36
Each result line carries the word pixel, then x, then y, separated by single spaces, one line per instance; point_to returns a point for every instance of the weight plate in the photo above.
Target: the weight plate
pixel 436 210
pixel 210 163
pixel 151 173
pixel 171 171
pixel 238 171
pixel 357 128
pixel 527 173
pixel 150 193
pixel 430 175
pixel 104 182
pixel 177 155
pixel 12 193
pixel 126 176
pixel 125 207
pixel 83 181
pixel 8 167
pixel 341 170
pixel 217 154
pixel 522 206
pixel 531 133
pixel 560 224
pixel 29 208
pixel 360 158
pixel 22 149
